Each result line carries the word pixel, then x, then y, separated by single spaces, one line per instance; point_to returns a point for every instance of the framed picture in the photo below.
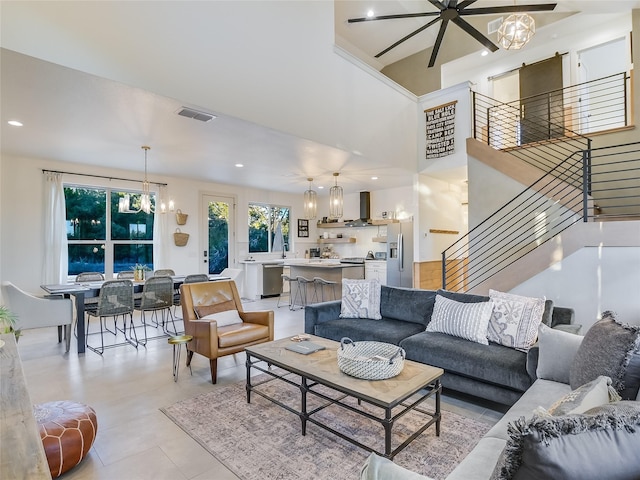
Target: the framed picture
pixel 303 227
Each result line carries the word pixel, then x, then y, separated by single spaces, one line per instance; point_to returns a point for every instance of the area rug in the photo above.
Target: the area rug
pixel 263 441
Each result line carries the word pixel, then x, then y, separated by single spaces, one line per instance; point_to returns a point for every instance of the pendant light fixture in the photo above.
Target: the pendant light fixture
pixel 336 201
pixel 310 202
pixel 516 31
pixel 124 204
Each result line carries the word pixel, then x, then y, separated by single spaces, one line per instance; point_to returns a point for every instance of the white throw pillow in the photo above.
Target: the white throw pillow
pixel 464 320
pixel 557 351
pixel 360 299
pixel 224 319
pixel 515 319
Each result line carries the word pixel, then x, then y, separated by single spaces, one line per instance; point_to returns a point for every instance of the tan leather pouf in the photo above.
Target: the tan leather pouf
pixel 68 430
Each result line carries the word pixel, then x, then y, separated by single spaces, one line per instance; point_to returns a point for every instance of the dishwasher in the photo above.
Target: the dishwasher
pixel 271 279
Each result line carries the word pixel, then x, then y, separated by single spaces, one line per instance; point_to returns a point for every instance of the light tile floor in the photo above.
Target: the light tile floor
pixel 127 387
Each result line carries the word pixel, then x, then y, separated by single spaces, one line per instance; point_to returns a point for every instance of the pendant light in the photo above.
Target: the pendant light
pixel 124 204
pixel 310 202
pixel 335 199
pixel 516 31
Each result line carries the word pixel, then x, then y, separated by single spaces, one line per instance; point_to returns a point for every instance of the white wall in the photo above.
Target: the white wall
pixel 591 281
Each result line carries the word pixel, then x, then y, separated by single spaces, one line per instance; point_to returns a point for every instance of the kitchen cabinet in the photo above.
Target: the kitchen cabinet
pixel 376 270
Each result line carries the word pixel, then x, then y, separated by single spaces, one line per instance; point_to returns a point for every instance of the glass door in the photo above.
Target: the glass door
pixel 219 244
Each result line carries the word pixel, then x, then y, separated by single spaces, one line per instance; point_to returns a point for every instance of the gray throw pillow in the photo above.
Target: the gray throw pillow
pixel 603 444
pixel 607 349
pixel 557 351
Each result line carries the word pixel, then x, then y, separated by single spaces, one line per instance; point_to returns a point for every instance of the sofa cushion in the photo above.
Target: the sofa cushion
pixel 601 443
pixel 607 349
pixel 557 351
pixel 515 319
pixel 464 320
pixel 360 299
pixel 387 330
pixel 462 297
pixel 380 468
pixel 408 304
pixel 470 359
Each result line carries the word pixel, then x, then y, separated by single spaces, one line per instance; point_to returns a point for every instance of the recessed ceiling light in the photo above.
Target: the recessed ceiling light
pixel 370 13
pixel 239 165
pixel 374 178
pixel 485 53
pixel 320 187
pixel 15 123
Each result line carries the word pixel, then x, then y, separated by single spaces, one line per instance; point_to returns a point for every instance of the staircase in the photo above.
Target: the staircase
pixel 571 190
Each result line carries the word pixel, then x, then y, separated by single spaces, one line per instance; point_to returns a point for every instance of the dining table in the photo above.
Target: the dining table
pixel 82 290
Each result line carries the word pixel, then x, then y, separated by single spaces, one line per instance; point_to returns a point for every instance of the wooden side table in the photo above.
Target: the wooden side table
pixel 177 343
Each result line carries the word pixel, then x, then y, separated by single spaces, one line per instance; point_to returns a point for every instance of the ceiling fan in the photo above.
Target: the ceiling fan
pixel 451 10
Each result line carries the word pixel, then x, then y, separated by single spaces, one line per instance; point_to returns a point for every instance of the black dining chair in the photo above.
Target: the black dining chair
pixel 115 300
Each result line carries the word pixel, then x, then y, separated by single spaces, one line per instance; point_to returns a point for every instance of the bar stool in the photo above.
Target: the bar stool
pixel 321 283
pixel 289 280
pixel 301 291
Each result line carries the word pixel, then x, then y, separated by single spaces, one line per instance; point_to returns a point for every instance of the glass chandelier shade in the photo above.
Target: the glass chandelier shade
pixel 336 201
pixel 124 204
pixel 516 31
pixel 310 202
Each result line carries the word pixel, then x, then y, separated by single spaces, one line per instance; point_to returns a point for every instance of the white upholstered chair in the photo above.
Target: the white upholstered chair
pixel 38 312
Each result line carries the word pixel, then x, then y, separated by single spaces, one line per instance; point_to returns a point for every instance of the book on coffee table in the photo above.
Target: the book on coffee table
pixel 304 347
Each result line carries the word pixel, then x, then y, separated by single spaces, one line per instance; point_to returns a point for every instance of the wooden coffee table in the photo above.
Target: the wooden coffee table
pixel 395 396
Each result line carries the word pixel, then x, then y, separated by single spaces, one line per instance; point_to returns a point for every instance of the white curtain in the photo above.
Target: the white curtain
pixel 160 236
pixel 56 265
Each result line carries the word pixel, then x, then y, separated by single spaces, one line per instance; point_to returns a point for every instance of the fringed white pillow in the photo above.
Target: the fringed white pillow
pixel 360 299
pixel 515 319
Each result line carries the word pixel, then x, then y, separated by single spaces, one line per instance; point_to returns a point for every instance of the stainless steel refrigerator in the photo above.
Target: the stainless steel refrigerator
pixel 400 254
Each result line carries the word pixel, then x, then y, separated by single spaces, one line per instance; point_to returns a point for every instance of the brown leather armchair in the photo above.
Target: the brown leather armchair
pixel 208 299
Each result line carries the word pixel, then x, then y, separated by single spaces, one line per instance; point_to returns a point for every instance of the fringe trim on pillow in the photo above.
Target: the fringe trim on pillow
pixel 553 427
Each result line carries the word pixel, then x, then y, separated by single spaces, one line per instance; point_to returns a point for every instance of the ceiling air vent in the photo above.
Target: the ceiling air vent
pixel 494 25
pixel 195 114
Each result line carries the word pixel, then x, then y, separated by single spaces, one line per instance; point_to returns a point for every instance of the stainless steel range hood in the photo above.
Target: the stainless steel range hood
pixel 365 212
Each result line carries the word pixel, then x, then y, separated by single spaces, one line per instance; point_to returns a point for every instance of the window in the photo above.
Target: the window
pixel 100 238
pixel 268 228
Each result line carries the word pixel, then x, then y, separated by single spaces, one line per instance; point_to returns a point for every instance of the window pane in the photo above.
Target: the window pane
pixel 218 236
pixel 86 258
pixel 86 213
pixel 130 226
pixel 280 216
pixel 125 257
pixel 259 228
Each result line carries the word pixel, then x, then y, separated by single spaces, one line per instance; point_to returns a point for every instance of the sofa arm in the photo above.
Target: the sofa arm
pixel 562 316
pixel 320 312
pixel 532 361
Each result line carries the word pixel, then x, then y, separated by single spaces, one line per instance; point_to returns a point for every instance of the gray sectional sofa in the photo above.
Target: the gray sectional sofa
pixel 406 313
pixel 612 453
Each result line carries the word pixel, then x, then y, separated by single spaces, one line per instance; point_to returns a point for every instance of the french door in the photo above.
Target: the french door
pixel 218 214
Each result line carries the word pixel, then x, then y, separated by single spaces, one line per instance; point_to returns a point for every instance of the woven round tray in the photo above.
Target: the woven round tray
pixel 370 360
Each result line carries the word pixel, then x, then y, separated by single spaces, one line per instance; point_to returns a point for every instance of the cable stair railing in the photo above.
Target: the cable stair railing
pixel 561 197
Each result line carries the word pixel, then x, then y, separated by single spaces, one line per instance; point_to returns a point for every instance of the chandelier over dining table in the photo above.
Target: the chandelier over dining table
pixel 145 204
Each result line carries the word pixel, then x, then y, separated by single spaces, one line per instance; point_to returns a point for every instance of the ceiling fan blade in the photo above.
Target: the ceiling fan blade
pixel 543 7
pixel 464 25
pixel 415 32
pixel 390 17
pixel 436 45
pixel 439 5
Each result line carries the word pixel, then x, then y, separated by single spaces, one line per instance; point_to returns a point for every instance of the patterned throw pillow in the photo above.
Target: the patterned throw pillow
pixel 515 319
pixel 607 349
pixel 360 299
pixel 464 320
pixel 590 395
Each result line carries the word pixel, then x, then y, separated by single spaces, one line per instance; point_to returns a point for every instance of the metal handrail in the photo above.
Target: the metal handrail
pixel 552 139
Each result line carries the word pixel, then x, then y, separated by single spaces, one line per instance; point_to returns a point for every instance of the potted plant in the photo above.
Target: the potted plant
pixel 138 272
pixel 8 321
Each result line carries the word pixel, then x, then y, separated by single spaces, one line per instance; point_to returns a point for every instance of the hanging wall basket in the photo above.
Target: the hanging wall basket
pixel 181 218
pixel 180 238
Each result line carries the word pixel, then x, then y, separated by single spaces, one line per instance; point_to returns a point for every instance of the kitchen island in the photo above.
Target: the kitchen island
pixel 333 271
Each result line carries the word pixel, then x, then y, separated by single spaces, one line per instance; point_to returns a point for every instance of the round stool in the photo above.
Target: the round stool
pixel 67 430
pixel 177 342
